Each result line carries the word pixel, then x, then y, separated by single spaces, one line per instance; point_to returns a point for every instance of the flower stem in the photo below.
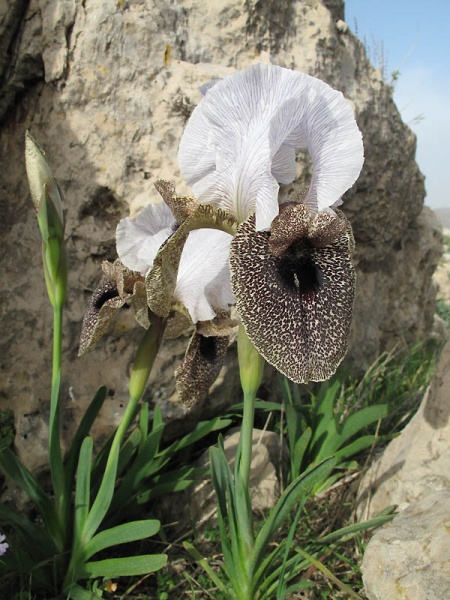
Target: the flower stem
pixel 251 367
pixel 55 454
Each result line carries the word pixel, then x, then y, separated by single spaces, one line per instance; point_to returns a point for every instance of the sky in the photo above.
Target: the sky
pixel 412 38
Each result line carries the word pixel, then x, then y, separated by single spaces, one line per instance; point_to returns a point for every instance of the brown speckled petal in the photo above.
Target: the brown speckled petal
pixel 117 286
pixel 201 366
pixel 296 308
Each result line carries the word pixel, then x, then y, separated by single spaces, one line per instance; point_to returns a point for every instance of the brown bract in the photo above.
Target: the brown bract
pixel 181 206
pixel 295 289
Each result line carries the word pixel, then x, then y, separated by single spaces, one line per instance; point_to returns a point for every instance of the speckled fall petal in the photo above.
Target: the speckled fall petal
pixel 295 299
pixel 201 366
pixel 117 286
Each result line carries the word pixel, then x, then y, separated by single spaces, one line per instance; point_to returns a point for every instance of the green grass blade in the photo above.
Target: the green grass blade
pixel 298 452
pixel 34 538
pixel 83 486
pixel 328 574
pixel 142 467
pixel 18 561
pixel 122 534
pixel 205 566
pixel 324 417
pixel 143 422
pixel 14 469
pixel 354 447
pixel 355 528
pixel 282 583
pixel 222 481
pixel 163 489
pixel 271 579
pixel 150 447
pixel 361 419
pixel 170 482
pixel 83 430
pixel 297 490
pixel 76 592
pixel 201 430
pixel 123 567
pixel 104 496
pixel 221 478
pixel 128 450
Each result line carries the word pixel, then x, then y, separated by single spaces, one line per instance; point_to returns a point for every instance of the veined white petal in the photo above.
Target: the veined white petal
pixel 203 276
pixel 241 140
pixel 139 240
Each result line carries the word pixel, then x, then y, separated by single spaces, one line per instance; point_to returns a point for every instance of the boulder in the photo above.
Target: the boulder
pixel 409 559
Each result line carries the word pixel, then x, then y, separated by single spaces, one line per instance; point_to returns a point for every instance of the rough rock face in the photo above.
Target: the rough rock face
pixel 106 88
pixel 409 559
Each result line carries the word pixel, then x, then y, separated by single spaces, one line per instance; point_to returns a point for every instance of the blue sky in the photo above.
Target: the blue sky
pixel 414 38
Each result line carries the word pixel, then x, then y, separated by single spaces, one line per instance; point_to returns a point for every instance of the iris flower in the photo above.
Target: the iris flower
pixel 291 271
pixel 287 266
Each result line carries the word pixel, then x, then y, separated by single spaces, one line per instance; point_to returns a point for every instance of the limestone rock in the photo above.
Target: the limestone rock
pixel 409 559
pixel 106 88
pixel 417 462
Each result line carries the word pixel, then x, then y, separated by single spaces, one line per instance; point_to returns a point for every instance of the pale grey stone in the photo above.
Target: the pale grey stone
pixel 409 559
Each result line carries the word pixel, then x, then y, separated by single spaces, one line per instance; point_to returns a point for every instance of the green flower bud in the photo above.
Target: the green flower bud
pixel 47 202
pixel 251 364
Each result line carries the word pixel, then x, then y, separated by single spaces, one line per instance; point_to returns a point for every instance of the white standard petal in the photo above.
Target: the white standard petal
pixel 241 140
pixel 139 240
pixel 203 281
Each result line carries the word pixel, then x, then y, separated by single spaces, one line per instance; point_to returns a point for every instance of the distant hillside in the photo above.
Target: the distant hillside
pixel 444 216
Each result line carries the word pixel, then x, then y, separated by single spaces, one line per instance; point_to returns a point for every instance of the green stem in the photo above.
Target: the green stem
pixel 251 367
pixel 55 454
pixel 145 356
pixel 246 439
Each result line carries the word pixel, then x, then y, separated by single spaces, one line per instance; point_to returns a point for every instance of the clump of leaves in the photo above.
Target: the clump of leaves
pixel 317 429
pixel 443 310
